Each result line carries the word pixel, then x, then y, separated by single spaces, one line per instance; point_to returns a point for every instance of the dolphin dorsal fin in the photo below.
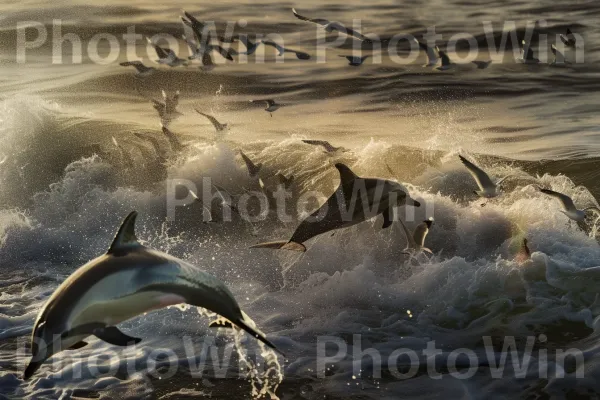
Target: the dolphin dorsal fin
pixel 346 174
pixel 125 237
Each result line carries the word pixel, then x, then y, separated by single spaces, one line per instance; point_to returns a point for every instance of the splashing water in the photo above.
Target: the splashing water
pixel 264 381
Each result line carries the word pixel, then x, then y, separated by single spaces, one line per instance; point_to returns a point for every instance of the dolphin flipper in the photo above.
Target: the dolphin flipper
pixel 388 218
pixel 78 345
pixel 282 245
pixel 112 335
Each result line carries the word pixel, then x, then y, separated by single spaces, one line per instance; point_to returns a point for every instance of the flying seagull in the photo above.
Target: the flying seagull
pixel 569 208
pixel 300 55
pixel 198 51
pixel 487 188
pixel 355 61
pixel 446 63
pixel 272 106
pixel 142 70
pixel 253 169
pixel 325 144
pixel 167 107
pixel 218 126
pixel 569 39
pixel 251 46
pixel 415 241
pixel 527 56
pixel 173 140
pixel 482 64
pixel 166 56
pixel 432 53
pixel 559 58
pixel 332 26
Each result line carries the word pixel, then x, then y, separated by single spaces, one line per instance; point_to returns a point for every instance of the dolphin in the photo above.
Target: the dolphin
pixel 129 280
pixel 346 207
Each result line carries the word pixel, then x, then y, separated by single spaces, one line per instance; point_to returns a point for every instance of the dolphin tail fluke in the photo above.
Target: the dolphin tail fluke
pixel 281 245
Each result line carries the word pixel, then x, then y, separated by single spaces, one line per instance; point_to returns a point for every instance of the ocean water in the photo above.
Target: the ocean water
pixel 65 187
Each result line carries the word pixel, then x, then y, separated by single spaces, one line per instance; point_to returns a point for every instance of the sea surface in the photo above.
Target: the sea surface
pixel 65 186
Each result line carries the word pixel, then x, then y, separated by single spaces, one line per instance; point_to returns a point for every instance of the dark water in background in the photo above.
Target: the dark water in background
pixel 60 205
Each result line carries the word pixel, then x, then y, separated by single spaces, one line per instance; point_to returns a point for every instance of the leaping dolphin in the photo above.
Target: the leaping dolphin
pixel 129 280
pixel 346 207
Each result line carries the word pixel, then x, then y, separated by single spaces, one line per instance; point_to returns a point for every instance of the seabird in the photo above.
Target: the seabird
pixel 415 241
pixel 355 61
pixel 527 56
pixel 198 51
pixel 166 56
pixel 569 208
pixel 218 126
pixel 167 108
pixel 300 55
pixel 272 106
pixel 487 188
pixel 482 64
pixel 251 46
pixel 173 140
pixel 569 39
pixel 325 144
pixel 332 26
pixel 142 70
pixel 253 169
pixel 446 63
pixel 432 53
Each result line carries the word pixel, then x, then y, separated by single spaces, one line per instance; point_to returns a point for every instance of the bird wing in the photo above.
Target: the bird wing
pixel 212 119
pixel 481 177
pixel 564 39
pixel 566 201
pixel 192 45
pixel 249 164
pixel 345 30
pixel 136 64
pixel 163 53
pixel 323 143
pixel 226 53
pixel 318 21
pixel 207 59
pixel 173 140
